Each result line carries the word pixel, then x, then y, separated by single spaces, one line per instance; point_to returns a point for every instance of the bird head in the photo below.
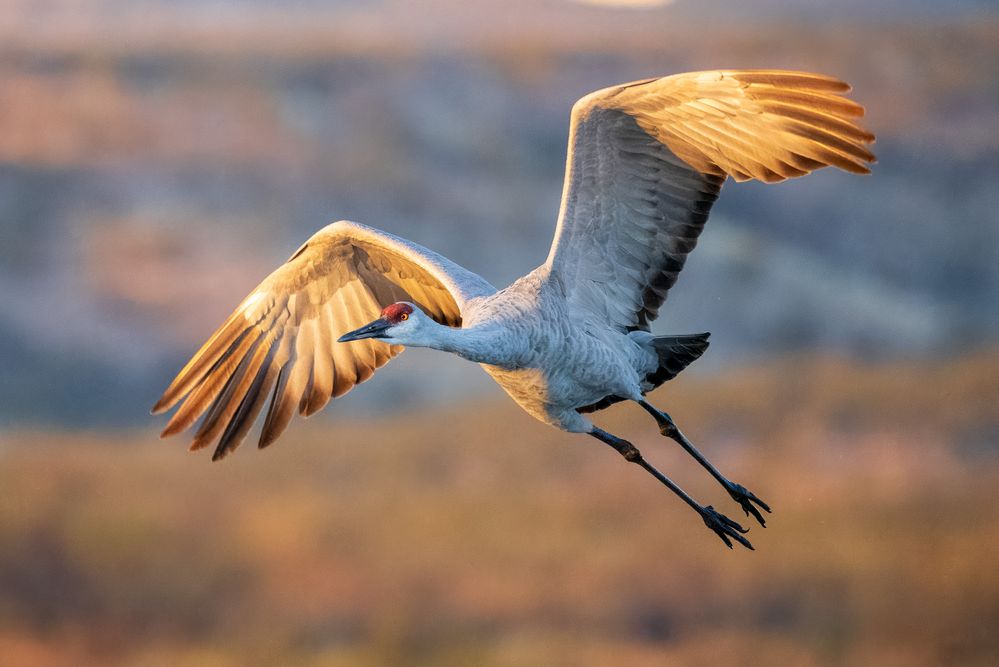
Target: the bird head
pixel 399 323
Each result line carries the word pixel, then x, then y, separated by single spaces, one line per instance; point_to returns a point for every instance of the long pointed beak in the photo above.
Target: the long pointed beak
pixel 372 330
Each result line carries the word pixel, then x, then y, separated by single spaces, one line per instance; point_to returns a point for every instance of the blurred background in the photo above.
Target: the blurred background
pixel 158 158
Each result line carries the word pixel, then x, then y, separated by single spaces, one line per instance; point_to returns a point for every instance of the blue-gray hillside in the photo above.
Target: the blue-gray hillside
pixel 144 192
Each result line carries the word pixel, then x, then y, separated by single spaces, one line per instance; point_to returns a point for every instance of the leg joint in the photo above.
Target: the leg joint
pixel 621 446
pixel 630 452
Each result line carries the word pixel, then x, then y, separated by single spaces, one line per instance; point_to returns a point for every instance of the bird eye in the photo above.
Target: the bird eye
pixel 404 317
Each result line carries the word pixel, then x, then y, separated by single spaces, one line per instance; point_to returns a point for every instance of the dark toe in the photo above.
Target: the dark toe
pixel 746 500
pixel 725 528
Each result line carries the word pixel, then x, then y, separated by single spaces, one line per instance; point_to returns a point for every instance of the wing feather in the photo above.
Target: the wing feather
pixel 287 393
pixel 323 373
pixel 280 342
pixel 305 352
pixel 223 411
pixel 648 159
pixel 251 403
pixel 211 383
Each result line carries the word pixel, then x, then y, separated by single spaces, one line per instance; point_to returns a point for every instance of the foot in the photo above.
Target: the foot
pixel 746 498
pixel 725 528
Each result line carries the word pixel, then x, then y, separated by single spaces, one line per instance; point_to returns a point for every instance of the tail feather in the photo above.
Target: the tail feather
pixel 675 354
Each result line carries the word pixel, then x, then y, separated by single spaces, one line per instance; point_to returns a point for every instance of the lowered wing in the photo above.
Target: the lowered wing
pixel 281 340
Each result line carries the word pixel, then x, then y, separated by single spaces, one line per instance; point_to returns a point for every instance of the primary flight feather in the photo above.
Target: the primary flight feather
pixel 646 161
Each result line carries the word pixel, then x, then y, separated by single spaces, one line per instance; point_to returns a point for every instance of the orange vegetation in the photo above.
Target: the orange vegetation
pixel 477 536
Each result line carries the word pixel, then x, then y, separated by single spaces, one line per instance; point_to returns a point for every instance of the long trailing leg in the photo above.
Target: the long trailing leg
pixel 724 527
pixel 739 493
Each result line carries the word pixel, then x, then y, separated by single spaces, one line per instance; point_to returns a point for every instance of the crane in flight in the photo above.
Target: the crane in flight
pixel 646 161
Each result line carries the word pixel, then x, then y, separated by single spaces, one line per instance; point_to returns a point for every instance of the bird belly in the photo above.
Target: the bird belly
pixel 530 388
pixel 554 397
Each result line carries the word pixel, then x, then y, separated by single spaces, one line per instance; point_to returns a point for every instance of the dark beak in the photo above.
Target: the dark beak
pixel 372 330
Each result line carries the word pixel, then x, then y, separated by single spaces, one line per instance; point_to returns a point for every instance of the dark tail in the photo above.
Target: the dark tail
pixel 675 354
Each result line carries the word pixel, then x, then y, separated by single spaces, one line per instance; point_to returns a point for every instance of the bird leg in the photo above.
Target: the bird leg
pixel 722 526
pixel 739 493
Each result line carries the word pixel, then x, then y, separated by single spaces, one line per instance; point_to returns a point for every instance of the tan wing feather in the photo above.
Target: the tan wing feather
pixel 750 123
pixel 648 159
pixel 281 340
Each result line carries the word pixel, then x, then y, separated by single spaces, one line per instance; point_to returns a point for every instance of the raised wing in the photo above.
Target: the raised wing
pixel 647 160
pixel 281 341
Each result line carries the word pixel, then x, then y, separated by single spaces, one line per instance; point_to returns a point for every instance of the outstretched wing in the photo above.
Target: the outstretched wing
pixel 647 160
pixel 281 341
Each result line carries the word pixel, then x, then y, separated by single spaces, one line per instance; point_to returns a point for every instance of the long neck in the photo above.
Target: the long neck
pixel 481 344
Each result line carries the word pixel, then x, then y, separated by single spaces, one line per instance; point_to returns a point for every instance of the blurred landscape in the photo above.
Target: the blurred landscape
pixel 492 541
pixel 158 158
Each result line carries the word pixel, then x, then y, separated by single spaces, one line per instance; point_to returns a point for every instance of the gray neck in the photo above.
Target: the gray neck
pixel 481 344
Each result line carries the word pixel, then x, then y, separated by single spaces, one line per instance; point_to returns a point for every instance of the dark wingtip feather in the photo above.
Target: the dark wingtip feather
pixel 171 429
pixel 196 444
pixel 267 439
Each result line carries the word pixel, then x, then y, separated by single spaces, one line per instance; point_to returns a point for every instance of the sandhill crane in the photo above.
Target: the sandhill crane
pixel 646 161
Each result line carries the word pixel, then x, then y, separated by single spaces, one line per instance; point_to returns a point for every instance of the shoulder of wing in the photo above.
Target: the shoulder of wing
pixel 344 251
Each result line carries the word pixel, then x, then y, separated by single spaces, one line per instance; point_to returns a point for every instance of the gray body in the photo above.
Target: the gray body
pixel 549 360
